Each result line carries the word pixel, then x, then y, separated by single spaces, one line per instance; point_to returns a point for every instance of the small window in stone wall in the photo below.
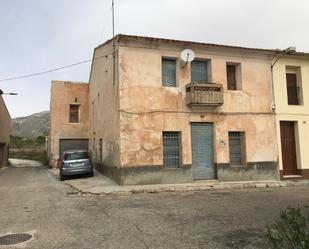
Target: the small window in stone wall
pixel 171 149
pixel 237 146
pixel 233 76
pixel 74 113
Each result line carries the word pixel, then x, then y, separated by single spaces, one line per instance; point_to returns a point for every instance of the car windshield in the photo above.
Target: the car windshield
pixel 76 156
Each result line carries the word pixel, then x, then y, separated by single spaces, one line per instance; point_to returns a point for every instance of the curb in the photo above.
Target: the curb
pixel 183 188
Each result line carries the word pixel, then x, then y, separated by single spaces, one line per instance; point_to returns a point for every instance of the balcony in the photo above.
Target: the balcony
pixel 200 94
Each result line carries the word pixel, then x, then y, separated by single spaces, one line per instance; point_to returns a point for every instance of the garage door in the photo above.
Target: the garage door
pixel 202 151
pixel 72 144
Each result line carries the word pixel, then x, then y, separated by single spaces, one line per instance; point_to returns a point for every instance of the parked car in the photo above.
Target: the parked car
pixel 75 162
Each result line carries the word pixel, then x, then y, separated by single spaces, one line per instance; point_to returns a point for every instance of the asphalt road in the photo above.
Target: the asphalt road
pixel 33 200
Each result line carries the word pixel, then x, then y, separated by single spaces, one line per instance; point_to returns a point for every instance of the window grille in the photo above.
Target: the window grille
pixel 171 149
pixel 237 148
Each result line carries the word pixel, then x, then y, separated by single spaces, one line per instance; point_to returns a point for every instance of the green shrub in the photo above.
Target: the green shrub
pixel 290 230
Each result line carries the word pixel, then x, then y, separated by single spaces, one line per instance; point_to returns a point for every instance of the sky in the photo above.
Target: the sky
pixel 38 35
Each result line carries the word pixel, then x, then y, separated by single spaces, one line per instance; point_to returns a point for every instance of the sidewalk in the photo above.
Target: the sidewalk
pixel 100 184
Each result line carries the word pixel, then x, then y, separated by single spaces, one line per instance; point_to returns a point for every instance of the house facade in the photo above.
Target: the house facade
pixel 69 117
pixel 5 124
pixel 291 77
pixel 154 119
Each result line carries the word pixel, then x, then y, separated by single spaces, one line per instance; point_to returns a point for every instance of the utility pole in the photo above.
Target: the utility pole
pixel 114 52
pixel 113 16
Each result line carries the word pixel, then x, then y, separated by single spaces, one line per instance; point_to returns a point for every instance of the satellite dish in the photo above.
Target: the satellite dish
pixel 186 56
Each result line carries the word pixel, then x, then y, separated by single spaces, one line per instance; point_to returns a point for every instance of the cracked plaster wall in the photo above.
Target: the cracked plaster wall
pixel 147 108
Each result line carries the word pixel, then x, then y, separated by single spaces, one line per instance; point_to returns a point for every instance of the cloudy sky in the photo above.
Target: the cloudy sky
pixel 37 35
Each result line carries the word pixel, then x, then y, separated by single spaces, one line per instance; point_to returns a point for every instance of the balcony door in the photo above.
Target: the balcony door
pixel 199 71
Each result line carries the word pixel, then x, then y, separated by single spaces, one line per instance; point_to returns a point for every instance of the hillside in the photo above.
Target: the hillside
pixel 31 126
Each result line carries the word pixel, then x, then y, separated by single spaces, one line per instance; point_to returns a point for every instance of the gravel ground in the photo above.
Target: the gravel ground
pixel 33 200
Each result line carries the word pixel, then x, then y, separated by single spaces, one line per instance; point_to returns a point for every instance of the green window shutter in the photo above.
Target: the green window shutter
pixel 169 72
pixel 199 71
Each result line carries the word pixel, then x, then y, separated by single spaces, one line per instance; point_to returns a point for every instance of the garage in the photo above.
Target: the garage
pixel 73 144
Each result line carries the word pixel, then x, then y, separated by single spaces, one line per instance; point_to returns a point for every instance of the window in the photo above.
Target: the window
pixel 292 89
pixel 76 156
pixel 169 72
pixel 199 71
pixel 237 147
pixel 74 113
pixel 171 149
pixel 233 76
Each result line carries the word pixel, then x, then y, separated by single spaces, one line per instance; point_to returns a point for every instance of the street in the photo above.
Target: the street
pixel 33 200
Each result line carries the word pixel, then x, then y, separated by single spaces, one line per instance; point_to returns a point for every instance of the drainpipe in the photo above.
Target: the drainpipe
pixel 274 111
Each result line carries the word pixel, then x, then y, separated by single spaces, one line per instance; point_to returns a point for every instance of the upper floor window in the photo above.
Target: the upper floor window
pixel 169 72
pixel 200 71
pixel 74 113
pixel 293 85
pixel 233 76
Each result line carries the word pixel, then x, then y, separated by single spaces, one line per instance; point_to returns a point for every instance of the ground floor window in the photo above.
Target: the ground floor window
pixel 171 148
pixel 237 147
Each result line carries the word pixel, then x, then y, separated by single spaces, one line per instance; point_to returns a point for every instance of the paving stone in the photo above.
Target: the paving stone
pixel 249 185
pixel 282 184
pixel 220 186
pixel 273 184
pixel 260 185
pixel 137 191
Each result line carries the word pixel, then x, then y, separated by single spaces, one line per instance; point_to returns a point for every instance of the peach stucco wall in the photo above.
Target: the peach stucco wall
pixel 147 108
pixel 62 95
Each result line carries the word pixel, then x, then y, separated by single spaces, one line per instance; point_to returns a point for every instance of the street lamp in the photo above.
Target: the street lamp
pixel 2 93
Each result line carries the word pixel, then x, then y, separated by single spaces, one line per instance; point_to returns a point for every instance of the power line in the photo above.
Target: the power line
pixel 74 64
pixel 53 69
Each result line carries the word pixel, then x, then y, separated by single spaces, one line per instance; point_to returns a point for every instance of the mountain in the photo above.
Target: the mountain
pixel 31 126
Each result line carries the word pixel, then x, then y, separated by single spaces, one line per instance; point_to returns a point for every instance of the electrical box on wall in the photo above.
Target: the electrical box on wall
pixel 221 143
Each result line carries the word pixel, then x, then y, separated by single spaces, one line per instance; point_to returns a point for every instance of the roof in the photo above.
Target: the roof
pixel 122 37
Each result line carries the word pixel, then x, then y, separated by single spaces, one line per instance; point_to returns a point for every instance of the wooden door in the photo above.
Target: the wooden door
pixel 288 148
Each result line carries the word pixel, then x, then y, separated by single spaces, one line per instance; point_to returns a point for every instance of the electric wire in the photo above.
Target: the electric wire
pixel 54 69
pixel 63 67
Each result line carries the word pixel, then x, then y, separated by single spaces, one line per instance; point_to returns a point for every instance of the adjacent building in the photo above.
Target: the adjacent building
pixel 5 130
pixel 69 114
pixel 291 88
pixel 155 119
